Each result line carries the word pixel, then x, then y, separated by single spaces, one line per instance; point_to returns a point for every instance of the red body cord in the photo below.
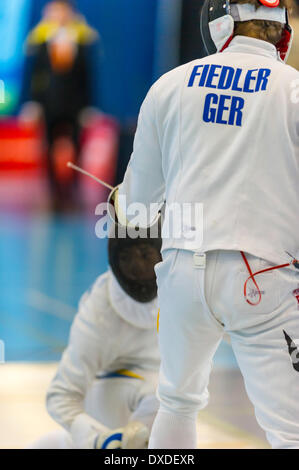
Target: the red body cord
pixel 252 276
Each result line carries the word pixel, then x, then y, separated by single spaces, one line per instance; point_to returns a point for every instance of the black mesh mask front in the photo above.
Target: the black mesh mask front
pixel 132 261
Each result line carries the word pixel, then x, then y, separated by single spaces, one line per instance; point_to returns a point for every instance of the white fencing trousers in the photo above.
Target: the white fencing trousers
pixel 197 306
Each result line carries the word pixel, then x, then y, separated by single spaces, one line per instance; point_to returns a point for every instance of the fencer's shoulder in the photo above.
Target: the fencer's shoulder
pixel 165 89
pixel 290 71
pixel 95 302
pixel 98 291
pixel 174 77
pixel 288 78
pixel 283 68
pixel 100 285
pixel 177 71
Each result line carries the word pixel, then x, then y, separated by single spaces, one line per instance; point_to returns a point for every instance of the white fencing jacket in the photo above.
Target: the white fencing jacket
pixel 111 332
pixel 224 131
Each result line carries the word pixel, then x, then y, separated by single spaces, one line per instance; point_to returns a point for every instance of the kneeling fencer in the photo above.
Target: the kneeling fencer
pixel 103 394
pixel 223 131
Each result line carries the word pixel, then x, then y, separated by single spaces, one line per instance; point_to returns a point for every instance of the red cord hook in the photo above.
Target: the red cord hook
pixel 252 276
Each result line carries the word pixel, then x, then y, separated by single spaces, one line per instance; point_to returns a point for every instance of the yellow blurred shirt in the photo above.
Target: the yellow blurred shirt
pixel 80 32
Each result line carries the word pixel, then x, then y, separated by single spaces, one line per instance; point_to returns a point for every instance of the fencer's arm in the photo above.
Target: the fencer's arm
pixel 89 351
pixel 144 180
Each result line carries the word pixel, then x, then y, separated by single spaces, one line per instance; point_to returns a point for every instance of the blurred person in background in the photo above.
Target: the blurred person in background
pixel 61 84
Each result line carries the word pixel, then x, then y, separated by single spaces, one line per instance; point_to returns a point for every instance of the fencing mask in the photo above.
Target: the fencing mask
pixel 133 255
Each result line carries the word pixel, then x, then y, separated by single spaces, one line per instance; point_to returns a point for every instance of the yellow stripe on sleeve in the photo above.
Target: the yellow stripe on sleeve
pixel 129 373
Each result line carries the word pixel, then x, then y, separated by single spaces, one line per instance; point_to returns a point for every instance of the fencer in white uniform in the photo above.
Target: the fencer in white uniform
pixel 103 394
pixel 223 131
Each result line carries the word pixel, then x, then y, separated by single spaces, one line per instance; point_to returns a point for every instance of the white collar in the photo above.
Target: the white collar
pixel 252 46
pixel 140 315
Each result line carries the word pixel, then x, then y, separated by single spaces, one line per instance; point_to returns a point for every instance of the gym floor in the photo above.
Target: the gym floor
pixel 47 262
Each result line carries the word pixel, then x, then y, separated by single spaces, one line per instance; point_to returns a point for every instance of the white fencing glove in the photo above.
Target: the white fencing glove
pixel 133 436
